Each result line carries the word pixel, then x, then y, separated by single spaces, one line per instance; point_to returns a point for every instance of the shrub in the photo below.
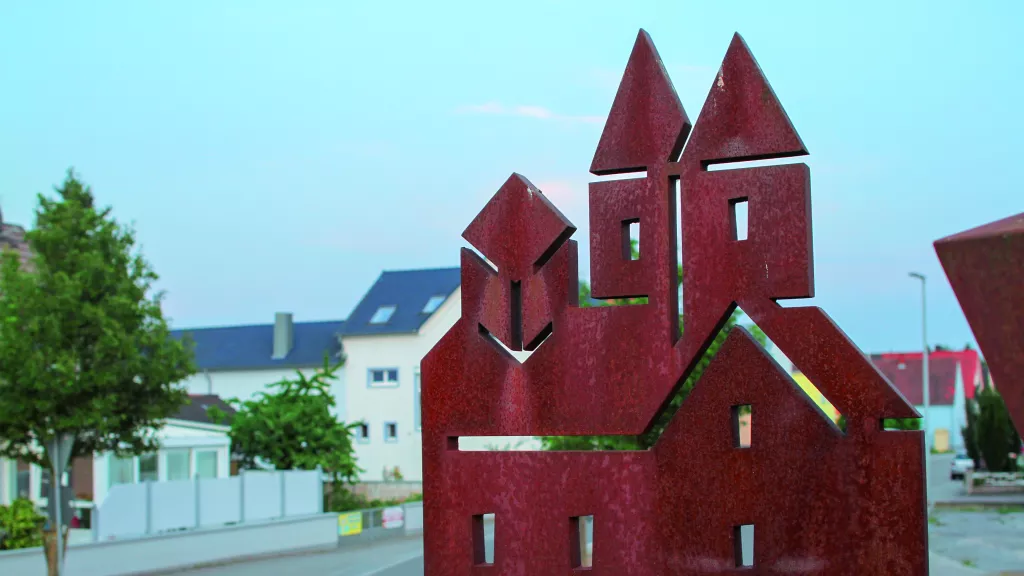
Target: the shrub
pixel 21 524
pixel 994 432
pixel 347 501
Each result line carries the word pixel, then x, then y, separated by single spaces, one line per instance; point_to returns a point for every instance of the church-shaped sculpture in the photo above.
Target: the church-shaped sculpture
pixel 822 498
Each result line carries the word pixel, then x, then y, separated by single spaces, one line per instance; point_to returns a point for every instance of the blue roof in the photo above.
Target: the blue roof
pixel 408 291
pixel 251 347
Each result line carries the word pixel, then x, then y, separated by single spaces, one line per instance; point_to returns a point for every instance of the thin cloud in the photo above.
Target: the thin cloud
pixel 527 111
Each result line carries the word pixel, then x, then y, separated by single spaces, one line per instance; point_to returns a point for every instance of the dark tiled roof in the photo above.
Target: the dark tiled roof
pixel 408 291
pixel 905 374
pixel 251 347
pixel 196 410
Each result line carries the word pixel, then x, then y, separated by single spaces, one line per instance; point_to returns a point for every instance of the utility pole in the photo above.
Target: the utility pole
pixel 924 380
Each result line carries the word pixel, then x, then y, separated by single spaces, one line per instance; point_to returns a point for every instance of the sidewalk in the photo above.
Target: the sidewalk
pixel 981 500
pixel 941 566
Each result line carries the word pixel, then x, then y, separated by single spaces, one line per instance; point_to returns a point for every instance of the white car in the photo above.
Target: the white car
pixel 962 463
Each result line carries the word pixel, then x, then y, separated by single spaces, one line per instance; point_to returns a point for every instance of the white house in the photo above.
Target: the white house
pixel 397 321
pixel 190 445
pixel 385 337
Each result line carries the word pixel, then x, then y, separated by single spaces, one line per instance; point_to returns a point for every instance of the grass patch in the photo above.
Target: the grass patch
pixel 969 563
pixel 934 521
pixel 1011 509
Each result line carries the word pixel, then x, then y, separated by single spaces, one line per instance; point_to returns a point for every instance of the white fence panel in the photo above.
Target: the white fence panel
pixel 413 517
pixel 262 495
pixel 172 505
pixel 125 505
pixel 134 510
pixel 303 493
pixel 219 501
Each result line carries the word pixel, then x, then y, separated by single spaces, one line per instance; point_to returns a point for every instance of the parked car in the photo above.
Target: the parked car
pixel 962 463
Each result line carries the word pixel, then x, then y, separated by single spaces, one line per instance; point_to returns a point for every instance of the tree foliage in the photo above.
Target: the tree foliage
pixel 291 427
pixel 84 346
pixel 995 435
pixel 970 430
pixel 648 439
pixel 20 525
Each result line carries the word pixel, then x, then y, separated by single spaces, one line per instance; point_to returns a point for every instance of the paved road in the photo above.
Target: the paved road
pixel 390 558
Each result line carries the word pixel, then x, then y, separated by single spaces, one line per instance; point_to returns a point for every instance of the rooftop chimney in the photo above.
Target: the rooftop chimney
pixel 283 335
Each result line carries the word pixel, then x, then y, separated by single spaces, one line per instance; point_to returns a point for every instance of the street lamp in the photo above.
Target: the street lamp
pixel 924 376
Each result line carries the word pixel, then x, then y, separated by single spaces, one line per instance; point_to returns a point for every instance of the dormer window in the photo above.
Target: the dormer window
pixel 434 303
pixel 382 315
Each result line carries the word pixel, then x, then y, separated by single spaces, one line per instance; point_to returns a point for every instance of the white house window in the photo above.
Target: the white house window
pixel 416 414
pixel 382 315
pixel 383 378
pixel 6 482
pixel 434 303
pixel 206 463
pixel 363 433
pixel 121 470
pixel 149 467
pixel 178 464
pixel 44 483
pixel 390 432
pixel 22 477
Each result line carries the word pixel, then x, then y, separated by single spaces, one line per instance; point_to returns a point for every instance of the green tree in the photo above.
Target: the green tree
pixel 995 434
pixel 647 440
pixel 970 430
pixel 291 427
pixel 84 347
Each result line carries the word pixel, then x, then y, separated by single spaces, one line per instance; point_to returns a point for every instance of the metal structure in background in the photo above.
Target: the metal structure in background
pixel 926 389
pixel 985 266
pixel 821 500
pixel 59 504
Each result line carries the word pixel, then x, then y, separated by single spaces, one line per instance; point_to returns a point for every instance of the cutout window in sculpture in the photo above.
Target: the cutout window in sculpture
pixel 743 545
pixel 630 233
pixel 382 315
pixel 483 526
pixel 738 218
pixel 742 420
pixel 580 541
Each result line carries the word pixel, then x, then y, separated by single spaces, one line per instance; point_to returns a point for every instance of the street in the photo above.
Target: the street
pixel 940 487
pixel 954 549
pixel 402 557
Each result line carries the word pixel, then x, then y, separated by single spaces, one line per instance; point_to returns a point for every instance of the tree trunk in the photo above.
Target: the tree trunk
pixel 50 550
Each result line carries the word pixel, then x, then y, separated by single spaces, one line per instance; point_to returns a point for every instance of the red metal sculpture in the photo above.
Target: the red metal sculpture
pixel 822 500
pixel 985 266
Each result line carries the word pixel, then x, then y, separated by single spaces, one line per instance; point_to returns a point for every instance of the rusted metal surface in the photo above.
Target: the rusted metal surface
pixel 821 501
pixel 985 266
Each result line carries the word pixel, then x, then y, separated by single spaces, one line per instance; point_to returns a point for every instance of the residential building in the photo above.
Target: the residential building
pixel 12 237
pixel 190 445
pixel 953 378
pixel 392 327
pixel 240 361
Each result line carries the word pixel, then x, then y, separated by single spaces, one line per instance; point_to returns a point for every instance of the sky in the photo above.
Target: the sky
pixel 277 156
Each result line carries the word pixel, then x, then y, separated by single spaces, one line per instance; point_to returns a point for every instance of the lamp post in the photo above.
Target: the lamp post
pixel 924 378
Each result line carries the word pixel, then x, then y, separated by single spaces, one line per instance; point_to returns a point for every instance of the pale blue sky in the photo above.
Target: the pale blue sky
pixel 276 156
